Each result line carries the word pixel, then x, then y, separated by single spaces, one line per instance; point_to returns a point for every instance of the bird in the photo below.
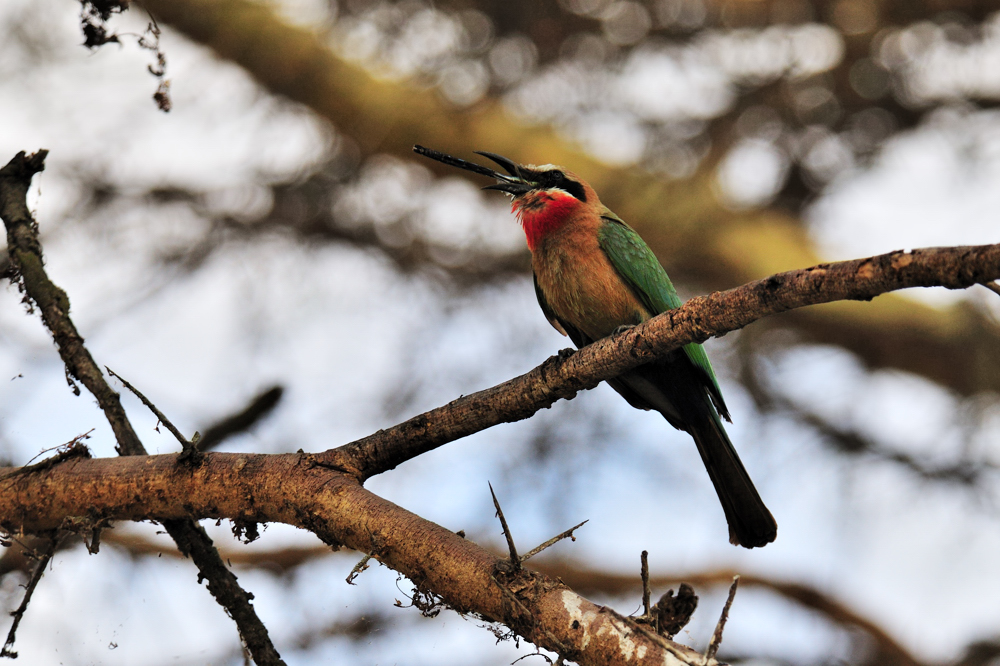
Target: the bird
pixel 594 276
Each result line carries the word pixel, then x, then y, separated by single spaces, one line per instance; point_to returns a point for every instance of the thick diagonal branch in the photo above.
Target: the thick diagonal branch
pixel 25 252
pixel 290 488
pixel 697 320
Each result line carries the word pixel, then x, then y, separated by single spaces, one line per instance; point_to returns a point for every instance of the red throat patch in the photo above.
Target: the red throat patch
pixel 541 213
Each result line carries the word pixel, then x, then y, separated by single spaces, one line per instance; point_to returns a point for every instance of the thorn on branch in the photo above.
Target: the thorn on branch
pixel 644 575
pixel 43 560
pixel 568 534
pixel 515 561
pixel 670 614
pixel 713 645
pixel 189 451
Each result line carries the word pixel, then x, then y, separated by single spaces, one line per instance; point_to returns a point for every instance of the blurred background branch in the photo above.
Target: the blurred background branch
pixel 700 240
pixel 274 229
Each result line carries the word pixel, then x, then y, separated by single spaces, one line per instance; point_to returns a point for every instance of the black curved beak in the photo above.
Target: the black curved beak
pixel 508 165
pixel 514 184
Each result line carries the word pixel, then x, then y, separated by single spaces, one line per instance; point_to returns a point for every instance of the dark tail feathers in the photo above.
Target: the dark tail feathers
pixel 750 523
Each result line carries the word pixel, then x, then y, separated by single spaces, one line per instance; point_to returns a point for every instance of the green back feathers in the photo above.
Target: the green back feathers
pixel 641 270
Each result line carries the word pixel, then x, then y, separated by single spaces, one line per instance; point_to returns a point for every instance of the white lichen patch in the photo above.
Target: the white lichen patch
pixel 572 603
pixel 610 627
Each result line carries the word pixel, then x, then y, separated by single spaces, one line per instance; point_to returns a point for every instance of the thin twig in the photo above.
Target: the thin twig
pixel 189 450
pixel 713 645
pixel 644 574
pixel 43 561
pixel 515 561
pixel 992 286
pixel 568 534
pixel 259 407
pixel 358 568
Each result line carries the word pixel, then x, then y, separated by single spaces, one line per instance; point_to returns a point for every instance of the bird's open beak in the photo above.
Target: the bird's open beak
pixel 513 184
pixel 511 187
pixel 508 165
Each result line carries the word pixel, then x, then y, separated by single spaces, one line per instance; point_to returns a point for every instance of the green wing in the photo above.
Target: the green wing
pixel 642 271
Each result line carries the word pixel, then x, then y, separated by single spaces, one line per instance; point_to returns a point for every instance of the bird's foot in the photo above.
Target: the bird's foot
pixel 622 329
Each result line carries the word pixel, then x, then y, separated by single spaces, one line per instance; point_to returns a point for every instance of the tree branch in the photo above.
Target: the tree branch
pixel 302 490
pixel 587 581
pixel 289 488
pixel 42 561
pixel 697 320
pixel 25 252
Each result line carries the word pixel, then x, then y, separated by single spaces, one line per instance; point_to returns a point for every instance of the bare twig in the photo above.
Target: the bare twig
pixel 259 407
pixel 588 581
pixel 358 568
pixel 644 575
pixel 43 560
pixel 189 450
pixel 992 286
pixel 713 645
pixel 26 256
pixel 71 449
pixel 568 534
pixel 25 252
pixel 515 561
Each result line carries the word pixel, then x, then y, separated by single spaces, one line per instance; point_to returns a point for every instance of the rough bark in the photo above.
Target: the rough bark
pixel 291 488
pixel 887 651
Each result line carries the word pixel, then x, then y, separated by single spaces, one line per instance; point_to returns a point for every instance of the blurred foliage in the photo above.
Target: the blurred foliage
pixel 808 91
pixel 673 96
